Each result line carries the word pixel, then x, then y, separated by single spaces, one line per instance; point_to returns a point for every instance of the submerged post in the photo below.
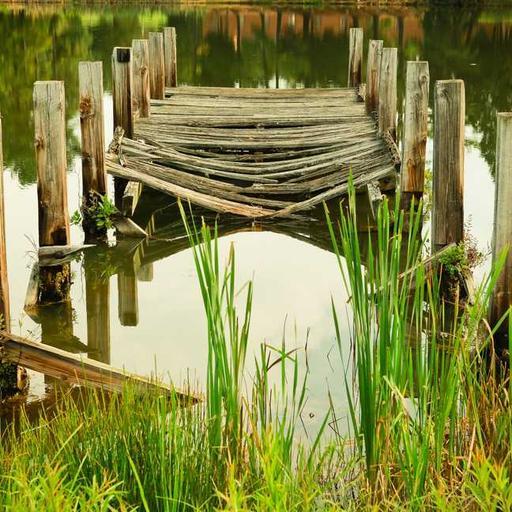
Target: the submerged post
pixel 415 132
pixel 355 57
pixel 94 178
pixel 501 299
pixel 171 73
pixel 448 171
pixel 122 90
pixel 157 65
pixel 140 70
pixel 387 91
pixel 372 75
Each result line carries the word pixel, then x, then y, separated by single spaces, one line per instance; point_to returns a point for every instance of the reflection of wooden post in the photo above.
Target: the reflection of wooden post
pixel 171 73
pixel 140 70
pixel 387 91
pixel 448 172
pixel 372 75
pixel 502 238
pixel 128 307
pixel 355 57
pixel 415 131
pixel 156 65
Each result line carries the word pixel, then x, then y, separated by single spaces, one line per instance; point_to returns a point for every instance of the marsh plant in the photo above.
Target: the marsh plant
pixel 430 418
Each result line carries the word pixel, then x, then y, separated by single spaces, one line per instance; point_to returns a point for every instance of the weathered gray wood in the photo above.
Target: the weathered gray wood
pixel 50 144
pixel 502 236
pixel 388 91
pixel 415 131
pixel 131 197
pixel 156 65
pixel 141 86
pixel 373 74
pixel 171 63
pixel 448 165
pixel 355 57
pixel 122 89
pixel 374 197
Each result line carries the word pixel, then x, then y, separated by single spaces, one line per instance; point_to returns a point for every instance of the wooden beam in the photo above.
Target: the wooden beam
pixel 131 197
pixel 156 65
pixel 171 63
pixel 355 57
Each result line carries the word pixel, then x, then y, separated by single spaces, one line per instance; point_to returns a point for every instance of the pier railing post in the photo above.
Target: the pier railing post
pixel 372 75
pixel 94 178
pixel 140 70
pixel 157 65
pixel 355 57
pixel 171 73
pixel 122 89
pixel 415 131
pixel 388 91
pixel 502 237
pixel 448 165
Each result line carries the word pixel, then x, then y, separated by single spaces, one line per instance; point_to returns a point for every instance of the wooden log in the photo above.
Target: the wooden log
pixel 122 89
pixel 501 300
pixel 128 300
pixel 156 65
pixel 51 164
pixel 171 63
pixel 372 75
pixel 140 70
pixel 355 57
pixel 448 164
pixel 388 91
pixel 74 369
pixel 415 131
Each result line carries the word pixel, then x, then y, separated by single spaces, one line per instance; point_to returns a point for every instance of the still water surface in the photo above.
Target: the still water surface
pixel 245 46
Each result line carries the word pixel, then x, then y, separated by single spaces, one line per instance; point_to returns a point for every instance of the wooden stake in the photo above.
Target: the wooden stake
pixel 415 131
pixel 502 237
pixel 122 90
pixel 387 91
pixel 171 73
pixel 372 75
pixel 157 65
pixel 448 179
pixel 140 69
pixel 355 57
pixel 50 143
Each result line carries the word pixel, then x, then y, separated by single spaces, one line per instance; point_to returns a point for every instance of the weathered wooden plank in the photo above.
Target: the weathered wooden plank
pixel 156 65
pixel 122 89
pixel 373 74
pixel 171 63
pixel 131 197
pixel 141 86
pixel 448 164
pixel 355 57
pixel 388 91
pixel 51 164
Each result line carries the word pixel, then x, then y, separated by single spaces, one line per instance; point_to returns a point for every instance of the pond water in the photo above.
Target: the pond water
pixel 234 45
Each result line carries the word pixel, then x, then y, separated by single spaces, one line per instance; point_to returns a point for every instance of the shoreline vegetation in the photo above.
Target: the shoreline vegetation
pixel 429 419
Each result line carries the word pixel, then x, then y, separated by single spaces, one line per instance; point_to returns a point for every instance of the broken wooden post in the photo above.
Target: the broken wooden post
pixel 140 70
pixel 171 74
pixel 156 65
pixel 355 57
pixel 388 92
pixel 414 146
pixel 94 178
pixel 501 299
pixel 372 75
pixel 448 164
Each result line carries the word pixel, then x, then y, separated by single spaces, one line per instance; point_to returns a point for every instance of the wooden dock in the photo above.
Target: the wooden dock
pixel 255 152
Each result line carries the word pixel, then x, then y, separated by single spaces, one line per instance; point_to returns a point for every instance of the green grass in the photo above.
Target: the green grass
pixel 430 412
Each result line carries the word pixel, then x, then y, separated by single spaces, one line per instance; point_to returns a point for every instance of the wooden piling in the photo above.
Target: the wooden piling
pixel 140 70
pixel 372 75
pixel 156 65
pixel 448 165
pixel 388 92
pixel 171 73
pixel 122 89
pixel 501 299
pixel 415 132
pixel 355 57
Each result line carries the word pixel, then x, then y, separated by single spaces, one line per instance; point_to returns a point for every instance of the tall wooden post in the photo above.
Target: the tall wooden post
pixel 122 90
pixel 156 65
pixel 415 131
pixel 388 92
pixel 448 178
pixel 355 57
pixel 502 238
pixel 140 70
pixel 372 75
pixel 171 63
